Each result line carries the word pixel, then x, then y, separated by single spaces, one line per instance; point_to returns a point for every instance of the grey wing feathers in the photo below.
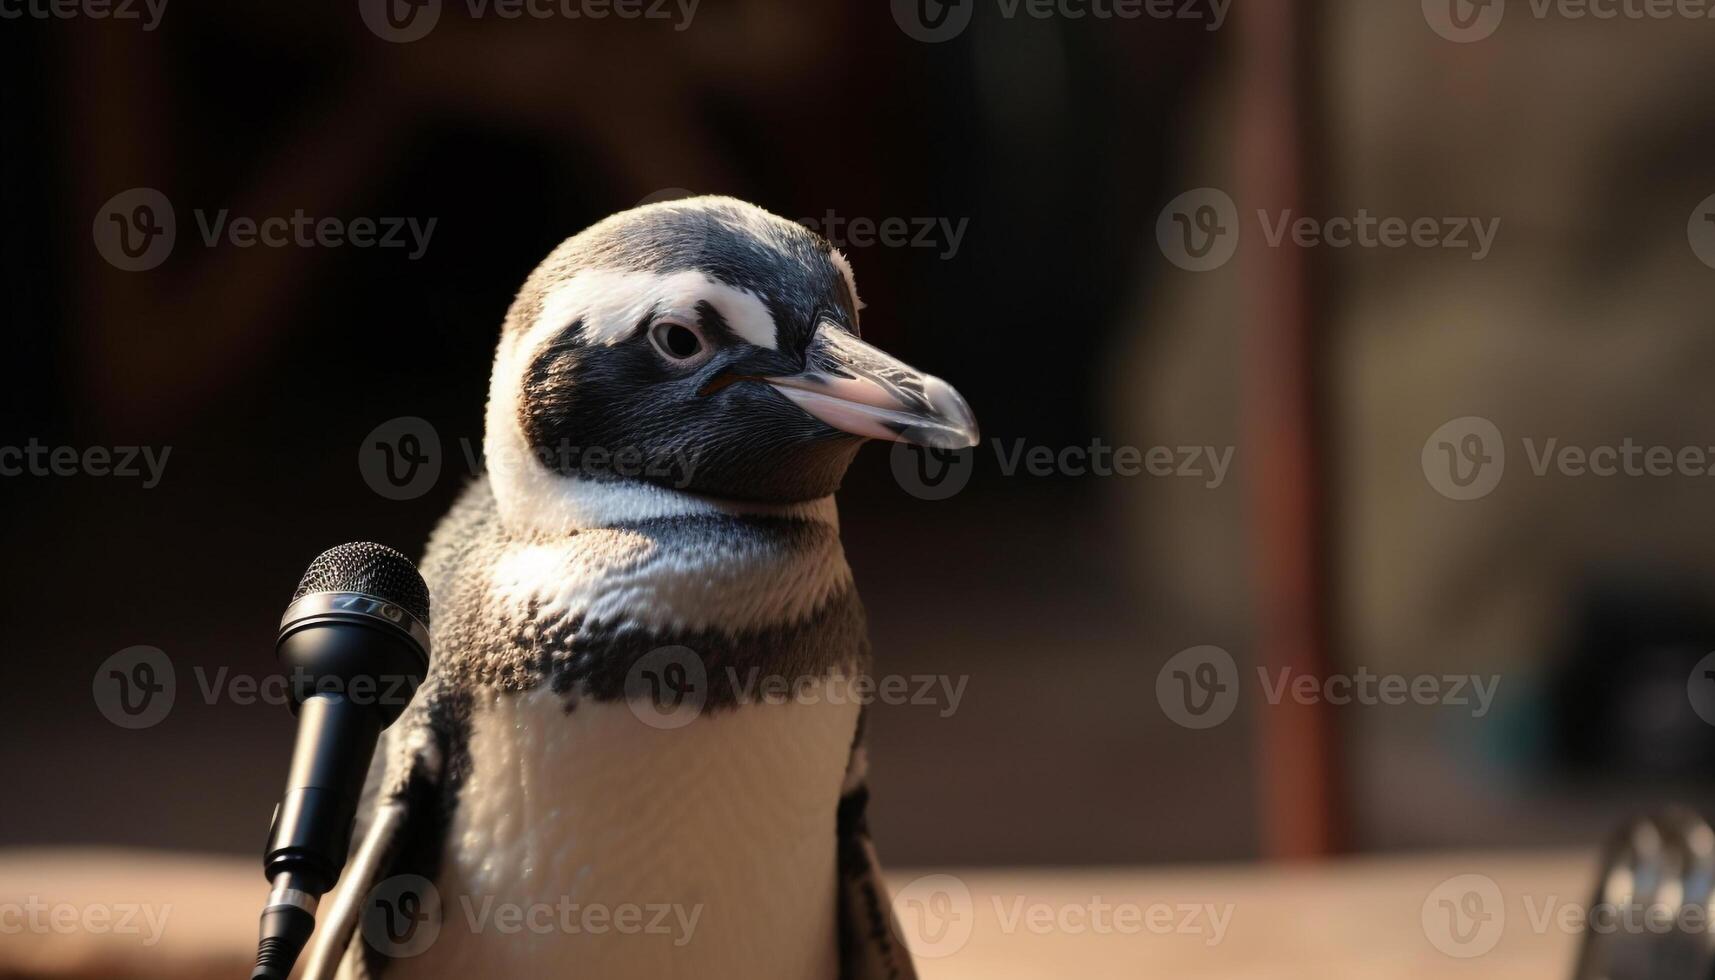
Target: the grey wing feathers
pixel 870 943
pixel 337 934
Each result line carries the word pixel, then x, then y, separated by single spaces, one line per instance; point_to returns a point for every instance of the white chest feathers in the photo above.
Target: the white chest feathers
pixel 591 845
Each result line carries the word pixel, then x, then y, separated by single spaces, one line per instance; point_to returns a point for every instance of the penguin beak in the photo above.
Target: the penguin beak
pixel 859 389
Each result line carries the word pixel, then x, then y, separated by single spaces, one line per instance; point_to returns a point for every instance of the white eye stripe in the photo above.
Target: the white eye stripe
pixel 611 303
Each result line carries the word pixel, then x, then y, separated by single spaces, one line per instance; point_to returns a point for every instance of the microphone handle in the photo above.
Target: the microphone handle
pixel 311 831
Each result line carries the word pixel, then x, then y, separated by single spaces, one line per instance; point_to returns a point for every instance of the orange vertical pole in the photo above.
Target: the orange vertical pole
pixel 1299 767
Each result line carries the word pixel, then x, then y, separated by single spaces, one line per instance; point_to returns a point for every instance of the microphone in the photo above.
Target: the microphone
pixel 355 641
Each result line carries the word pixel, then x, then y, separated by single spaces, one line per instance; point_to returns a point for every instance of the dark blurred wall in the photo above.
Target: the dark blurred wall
pixel 263 369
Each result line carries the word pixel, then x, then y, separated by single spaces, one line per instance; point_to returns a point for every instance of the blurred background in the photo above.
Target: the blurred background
pixel 1095 235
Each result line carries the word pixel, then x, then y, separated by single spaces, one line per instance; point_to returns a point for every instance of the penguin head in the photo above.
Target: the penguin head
pixel 703 345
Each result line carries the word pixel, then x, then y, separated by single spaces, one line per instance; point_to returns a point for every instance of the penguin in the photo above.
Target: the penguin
pixel 639 749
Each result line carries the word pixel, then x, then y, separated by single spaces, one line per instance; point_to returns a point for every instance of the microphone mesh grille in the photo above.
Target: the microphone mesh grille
pixel 372 569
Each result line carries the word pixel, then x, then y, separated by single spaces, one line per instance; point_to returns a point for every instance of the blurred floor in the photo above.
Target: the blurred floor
pixel 1372 919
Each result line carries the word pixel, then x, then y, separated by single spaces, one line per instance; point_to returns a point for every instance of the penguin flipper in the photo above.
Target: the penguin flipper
pixel 400 827
pixel 338 929
pixel 870 944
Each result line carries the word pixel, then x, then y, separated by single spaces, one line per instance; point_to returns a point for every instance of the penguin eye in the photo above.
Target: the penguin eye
pixel 677 342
